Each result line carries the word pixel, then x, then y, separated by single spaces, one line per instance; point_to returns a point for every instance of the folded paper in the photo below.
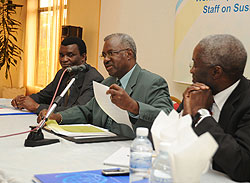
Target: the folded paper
pixel 189 154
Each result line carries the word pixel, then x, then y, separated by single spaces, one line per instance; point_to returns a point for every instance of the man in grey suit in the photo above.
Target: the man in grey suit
pixel 142 93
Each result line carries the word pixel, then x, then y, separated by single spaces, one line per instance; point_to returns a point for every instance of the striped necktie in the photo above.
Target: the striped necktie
pixel 66 98
pixel 67 94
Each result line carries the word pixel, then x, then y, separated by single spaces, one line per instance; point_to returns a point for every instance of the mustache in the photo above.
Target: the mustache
pixel 107 64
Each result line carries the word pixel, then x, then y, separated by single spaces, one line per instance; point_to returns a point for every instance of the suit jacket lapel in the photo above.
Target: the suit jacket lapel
pixel 229 108
pixel 132 80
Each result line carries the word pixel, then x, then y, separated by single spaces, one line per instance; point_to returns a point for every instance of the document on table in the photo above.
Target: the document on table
pixel 117 114
pixel 78 130
pixel 12 111
pixel 119 158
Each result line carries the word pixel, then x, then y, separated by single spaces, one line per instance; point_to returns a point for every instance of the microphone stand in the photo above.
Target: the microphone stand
pixel 36 138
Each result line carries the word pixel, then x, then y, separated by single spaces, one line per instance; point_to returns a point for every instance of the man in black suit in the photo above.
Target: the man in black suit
pixel 219 86
pixel 72 53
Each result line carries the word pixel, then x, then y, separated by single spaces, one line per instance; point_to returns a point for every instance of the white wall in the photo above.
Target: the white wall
pixel 151 24
pixel 86 13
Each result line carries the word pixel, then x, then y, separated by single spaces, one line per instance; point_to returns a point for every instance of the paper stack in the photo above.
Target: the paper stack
pixel 119 158
pixel 78 130
pixel 190 155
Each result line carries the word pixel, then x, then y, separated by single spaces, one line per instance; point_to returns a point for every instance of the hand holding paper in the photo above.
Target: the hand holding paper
pixel 190 155
pixel 120 98
pixel 103 100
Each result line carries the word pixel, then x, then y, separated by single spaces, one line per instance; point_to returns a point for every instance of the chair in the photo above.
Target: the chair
pixel 176 102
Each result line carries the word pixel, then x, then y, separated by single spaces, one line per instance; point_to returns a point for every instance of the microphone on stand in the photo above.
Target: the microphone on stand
pixel 36 138
pixel 75 68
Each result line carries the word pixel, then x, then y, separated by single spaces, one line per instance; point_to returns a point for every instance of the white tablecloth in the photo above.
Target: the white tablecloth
pixel 18 164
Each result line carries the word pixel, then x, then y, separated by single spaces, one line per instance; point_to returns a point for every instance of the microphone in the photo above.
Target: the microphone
pixel 36 138
pixel 75 68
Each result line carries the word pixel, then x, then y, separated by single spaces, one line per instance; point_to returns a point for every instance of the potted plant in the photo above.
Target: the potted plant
pixel 10 52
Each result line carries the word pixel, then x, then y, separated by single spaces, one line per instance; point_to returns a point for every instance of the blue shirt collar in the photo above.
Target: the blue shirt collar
pixel 124 80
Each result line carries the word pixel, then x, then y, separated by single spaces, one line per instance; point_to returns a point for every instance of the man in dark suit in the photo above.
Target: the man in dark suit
pixel 72 53
pixel 142 93
pixel 219 86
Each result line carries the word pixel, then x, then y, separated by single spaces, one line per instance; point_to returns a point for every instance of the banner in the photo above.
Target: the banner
pixel 196 19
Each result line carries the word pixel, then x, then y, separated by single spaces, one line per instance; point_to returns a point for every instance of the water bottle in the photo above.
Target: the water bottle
pixel 161 168
pixel 140 156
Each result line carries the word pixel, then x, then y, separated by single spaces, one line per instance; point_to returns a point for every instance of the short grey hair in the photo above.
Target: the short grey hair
pixel 126 41
pixel 226 51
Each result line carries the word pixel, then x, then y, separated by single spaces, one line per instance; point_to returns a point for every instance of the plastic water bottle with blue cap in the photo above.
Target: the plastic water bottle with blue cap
pixel 140 156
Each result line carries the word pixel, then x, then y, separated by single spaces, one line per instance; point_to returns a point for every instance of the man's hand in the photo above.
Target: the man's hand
pixel 17 101
pixel 120 98
pixel 195 97
pixel 53 116
pixel 23 102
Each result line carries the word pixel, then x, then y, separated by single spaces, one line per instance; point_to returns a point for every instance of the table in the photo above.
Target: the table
pixel 20 163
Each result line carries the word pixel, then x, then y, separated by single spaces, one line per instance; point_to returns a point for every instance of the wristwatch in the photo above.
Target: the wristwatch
pixel 201 113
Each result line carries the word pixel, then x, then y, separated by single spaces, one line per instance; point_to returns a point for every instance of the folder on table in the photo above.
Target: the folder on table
pixel 82 133
pixel 82 176
pixel 78 130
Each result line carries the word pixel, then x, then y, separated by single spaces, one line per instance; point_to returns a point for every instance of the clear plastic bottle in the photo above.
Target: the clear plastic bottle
pixel 161 168
pixel 140 156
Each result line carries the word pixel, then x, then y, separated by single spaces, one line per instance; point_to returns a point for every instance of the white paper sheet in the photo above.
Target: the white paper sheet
pixel 117 114
pixel 7 109
pixel 119 158
pixel 12 111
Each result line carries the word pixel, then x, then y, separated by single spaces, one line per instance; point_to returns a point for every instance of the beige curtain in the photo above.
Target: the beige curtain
pixel 45 33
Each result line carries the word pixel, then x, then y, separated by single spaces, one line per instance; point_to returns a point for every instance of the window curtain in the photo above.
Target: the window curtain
pixel 44 25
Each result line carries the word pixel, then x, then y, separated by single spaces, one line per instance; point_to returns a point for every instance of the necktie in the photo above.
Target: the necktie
pixel 118 82
pixel 109 121
pixel 66 97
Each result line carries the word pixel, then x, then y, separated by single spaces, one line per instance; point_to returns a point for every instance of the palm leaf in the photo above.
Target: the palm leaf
pixel 10 52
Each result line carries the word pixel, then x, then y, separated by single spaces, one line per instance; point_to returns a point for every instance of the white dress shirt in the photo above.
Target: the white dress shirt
pixel 220 99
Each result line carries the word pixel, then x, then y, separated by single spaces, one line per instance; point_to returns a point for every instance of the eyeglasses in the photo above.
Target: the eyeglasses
pixel 111 53
pixel 191 64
